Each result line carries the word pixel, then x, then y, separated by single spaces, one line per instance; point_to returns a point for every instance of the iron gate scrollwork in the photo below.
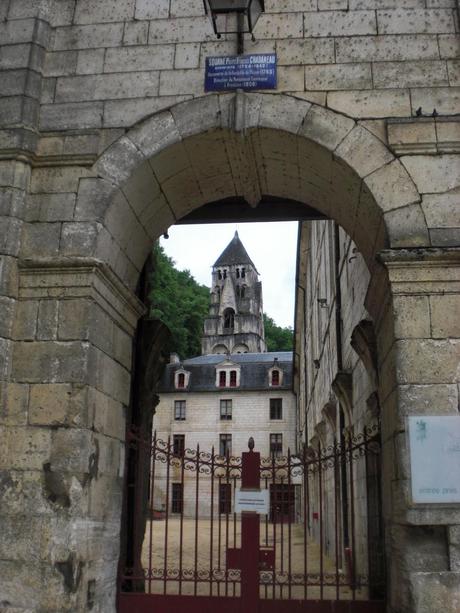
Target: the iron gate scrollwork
pixel 195 547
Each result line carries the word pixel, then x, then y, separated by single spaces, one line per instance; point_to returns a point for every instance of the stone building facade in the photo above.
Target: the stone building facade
pixel 106 139
pixel 222 417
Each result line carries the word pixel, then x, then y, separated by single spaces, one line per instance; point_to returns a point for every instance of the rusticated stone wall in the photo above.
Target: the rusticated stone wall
pixel 106 139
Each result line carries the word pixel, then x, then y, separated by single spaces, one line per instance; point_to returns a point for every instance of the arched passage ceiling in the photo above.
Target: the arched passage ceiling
pixel 179 160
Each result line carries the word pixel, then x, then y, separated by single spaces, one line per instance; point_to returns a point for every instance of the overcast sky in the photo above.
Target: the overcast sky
pixel 271 246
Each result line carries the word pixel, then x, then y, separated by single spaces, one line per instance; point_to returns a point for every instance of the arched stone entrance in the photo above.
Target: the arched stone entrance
pixel 79 358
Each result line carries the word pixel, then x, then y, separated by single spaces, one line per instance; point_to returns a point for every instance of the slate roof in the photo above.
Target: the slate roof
pixel 234 253
pixel 254 372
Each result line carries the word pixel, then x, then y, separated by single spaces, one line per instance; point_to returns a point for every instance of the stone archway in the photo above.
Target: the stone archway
pixel 247 145
pixel 177 160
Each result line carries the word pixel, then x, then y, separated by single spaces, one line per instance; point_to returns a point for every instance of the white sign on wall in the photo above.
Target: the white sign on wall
pixel 252 500
pixel 434 443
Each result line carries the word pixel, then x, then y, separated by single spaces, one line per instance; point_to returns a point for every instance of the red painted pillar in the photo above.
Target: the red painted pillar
pixel 250 479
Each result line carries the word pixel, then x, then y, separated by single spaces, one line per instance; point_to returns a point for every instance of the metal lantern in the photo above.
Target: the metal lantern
pixel 234 16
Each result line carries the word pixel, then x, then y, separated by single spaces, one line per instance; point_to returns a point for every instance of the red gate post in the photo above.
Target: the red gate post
pixel 250 521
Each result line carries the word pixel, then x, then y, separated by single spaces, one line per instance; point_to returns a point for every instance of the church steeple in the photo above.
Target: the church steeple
pixel 235 321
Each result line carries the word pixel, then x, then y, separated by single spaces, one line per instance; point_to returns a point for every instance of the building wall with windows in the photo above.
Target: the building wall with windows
pixel 256 401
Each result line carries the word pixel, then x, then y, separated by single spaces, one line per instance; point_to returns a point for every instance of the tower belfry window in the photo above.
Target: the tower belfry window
pixel 243 272
pixel 229 319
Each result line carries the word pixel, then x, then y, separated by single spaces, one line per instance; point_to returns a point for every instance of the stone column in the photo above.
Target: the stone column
pixel 62 459
pixel 418 331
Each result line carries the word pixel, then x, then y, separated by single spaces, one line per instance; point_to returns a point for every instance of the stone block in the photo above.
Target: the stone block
pixel 14 400
pixel 111 378
pixel 21 56
pixel 386 48
pixel 371 104
pixel 445 237
pixel 60 63
pixel 428 399
pixel 74 319
pixel 445 320
pixel 55 180
pixel 90 61
pixel 306 51
pixel 421 133
pixel 325 127
pixel 120 113
pixel 58 404
pixel 180 82
pixel 156 134
pixel 17 31
pixel 449 46
pixel 185 8
pixel 187 56
pixel 8 276
pixel 406 227
pixel 415 21
pixel 134 59
pixel 279 26
pixel 427 361
pixel 79 238
pixel 446 100
pixel 283 113
pixel 47 320
pixel 119 160
pixel 410 74
pixel 94 11
pixel 93 199
pixel 392 186
pixel 7 308
pixel 433 174
pixel 411 316
pixel 18 110
pixel 75 451
pixel 290 78
pixel 186 30
pixel 435 591
pixel 51 362
pixel 10 235
pixel 148 10
pixel 363 152
pixel 108 415
pixel 12 202
pixel 51 207
pixel 338 76
pixel 21 582
pixel 88 36
pixel 136 33
pixel 40 239
pixel 100 87
pixel 24 448
pixel 335 23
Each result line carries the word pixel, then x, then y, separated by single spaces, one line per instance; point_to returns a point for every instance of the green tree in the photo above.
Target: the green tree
pixel 179 302
pixel 277 337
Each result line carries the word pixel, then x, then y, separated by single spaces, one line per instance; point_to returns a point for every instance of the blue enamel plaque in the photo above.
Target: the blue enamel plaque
pixel 257 71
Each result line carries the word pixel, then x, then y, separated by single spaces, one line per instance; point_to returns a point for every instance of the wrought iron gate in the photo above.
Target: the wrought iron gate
pixel 318 547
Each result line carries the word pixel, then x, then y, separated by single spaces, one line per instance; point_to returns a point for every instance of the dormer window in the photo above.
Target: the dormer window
pixel 228 374
pixel 181 379
pixel 275 375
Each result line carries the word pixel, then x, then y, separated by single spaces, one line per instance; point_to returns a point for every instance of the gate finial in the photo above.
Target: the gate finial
pixel 251 443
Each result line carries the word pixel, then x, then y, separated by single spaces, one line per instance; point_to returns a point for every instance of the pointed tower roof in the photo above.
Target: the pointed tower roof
pixel 234 253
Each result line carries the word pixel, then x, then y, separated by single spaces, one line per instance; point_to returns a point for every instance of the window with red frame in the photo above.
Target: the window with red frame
pixel 233 378
pixel 222 378
pixel 275 377
pixel 181 380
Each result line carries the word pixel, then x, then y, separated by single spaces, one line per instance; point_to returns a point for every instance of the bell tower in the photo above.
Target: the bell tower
pixel 235 321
